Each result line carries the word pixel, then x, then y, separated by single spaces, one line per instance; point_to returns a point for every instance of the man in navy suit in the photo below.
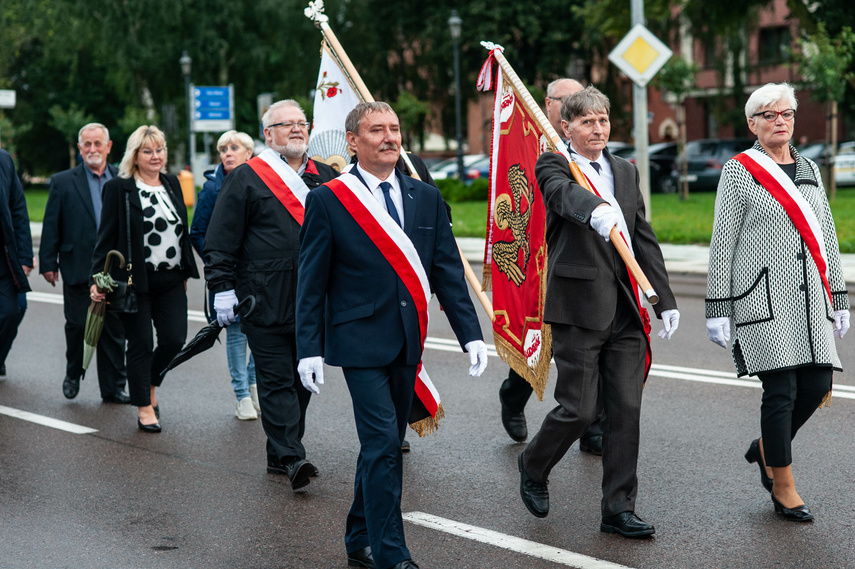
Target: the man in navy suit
pixel 72 217
pixel 359 311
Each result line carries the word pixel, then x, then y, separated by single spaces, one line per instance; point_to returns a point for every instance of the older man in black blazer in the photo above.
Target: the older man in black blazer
pixel 72 216
pixel 599 330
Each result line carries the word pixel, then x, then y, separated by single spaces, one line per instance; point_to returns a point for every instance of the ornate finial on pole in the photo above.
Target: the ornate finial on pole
pixel 490 46
pixel 315 12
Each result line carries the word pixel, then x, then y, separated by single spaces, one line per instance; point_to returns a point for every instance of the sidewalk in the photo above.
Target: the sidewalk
pixel 687 259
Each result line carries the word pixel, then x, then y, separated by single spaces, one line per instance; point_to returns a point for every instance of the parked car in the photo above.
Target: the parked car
pixel 705 159
pixel 448 168
pixel 844 164
pixel 662 157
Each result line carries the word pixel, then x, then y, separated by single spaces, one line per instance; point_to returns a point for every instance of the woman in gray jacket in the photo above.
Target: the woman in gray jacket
pixel 775 274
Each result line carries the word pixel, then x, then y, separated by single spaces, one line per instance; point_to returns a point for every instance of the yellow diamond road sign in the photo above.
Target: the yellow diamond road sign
pixel 640 55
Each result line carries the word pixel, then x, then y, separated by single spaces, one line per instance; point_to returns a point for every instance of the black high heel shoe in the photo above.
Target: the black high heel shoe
pixel 153 428
pixel 753 455
pixel 797 514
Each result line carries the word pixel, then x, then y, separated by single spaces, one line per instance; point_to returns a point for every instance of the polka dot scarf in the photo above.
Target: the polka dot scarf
pixel 162 228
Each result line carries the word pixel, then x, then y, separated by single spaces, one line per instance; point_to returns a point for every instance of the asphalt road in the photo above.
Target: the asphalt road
pixel 197 495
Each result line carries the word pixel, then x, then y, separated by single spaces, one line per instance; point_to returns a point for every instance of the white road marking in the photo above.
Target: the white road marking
pixel 46 421
pixel 658 370
pixel 509 542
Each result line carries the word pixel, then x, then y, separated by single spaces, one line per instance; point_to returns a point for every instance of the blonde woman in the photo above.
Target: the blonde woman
pixel 161 262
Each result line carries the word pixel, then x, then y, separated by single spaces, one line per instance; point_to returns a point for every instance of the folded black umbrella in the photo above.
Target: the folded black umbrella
pixel 206 337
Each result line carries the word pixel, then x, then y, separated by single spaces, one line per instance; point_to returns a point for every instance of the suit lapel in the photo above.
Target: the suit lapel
pixel 81 185
pixel 408 198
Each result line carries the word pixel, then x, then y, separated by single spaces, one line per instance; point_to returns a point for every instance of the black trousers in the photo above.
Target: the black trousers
pixel 163 307
pixel 591 361
pixel 516 391
pixel 790 397
pixel 281 395
pixel 10 311
pixel 110 355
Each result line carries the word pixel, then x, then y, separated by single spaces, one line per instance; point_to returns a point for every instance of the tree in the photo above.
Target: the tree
pixel 825 64
pixel 69 122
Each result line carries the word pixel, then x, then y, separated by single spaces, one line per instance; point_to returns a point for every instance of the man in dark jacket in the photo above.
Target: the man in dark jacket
pixel 17 260
pixel 251 248
pixel 72 217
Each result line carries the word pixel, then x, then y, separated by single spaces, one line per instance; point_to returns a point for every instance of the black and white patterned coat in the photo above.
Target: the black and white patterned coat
pixel 762 276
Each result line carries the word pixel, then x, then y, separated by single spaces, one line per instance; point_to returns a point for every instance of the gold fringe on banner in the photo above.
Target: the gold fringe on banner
pixel 487 278
pixel 826 401
pixel 429 424
pixel 537 377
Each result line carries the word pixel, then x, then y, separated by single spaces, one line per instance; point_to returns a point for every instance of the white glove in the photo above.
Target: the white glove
pixel 311 372
pixel 477 357
pixel 603 218
pixel 841 323
pixel 224 305
pixel 670 323
pixel 718 330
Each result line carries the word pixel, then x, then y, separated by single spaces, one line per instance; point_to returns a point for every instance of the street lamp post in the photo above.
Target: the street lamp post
pixel 454 24
pixel 186 62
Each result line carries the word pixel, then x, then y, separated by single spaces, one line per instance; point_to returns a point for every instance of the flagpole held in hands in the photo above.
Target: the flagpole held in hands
pixel 546 127
pixel 315 12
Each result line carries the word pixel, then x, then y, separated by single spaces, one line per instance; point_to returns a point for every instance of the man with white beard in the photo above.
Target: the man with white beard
pixel 72 217
pixel 251 248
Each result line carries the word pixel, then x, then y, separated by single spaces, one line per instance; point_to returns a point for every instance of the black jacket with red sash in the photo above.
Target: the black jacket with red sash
pixel 252 245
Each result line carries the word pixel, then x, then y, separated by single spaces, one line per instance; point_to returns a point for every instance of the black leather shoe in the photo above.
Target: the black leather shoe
pixel 405 446
pixel 406 564
pixel 514 423
pixel 753 455
pixel 797 514
pixel 627 524
pixel 153 428
pixel 534 495
pixel 361 558
pixel 156 411
pixel 70 387
pixel 593 445
pixel 298 471
pixel 274 466
pixel 119 397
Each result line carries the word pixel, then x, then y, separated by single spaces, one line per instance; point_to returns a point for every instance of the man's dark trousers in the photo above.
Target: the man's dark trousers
pixel 281 396
pixel 618 355
pixel 382 397
pixel 110 354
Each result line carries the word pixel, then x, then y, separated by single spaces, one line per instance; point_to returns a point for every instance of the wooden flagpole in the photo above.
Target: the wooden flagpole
pixel 315 12
pixel 546 127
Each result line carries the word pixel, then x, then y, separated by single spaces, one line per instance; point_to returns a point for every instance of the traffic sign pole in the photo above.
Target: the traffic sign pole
pixel 639 115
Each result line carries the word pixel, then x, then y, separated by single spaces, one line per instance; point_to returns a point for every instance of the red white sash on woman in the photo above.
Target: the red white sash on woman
pixel 283 181
pixel 783 189
pixel 398 250
pixel 636 289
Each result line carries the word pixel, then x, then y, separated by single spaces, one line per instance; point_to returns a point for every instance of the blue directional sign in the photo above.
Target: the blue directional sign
pixel 213 108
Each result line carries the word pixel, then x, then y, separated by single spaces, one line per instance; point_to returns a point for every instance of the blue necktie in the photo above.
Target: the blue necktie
pixel 390 206
pixel 596 167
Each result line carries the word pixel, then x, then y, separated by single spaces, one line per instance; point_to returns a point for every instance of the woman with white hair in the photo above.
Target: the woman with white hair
pixel 775 274
pixel 235 148
pixel 143 217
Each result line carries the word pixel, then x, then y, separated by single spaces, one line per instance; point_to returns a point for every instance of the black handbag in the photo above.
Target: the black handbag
pixel 124 297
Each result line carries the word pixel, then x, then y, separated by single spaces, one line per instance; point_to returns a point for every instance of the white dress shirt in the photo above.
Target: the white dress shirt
pixel 373 184
pixel 604 181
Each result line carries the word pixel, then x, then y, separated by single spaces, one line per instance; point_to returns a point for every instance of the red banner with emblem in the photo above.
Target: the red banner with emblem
pixel 515 256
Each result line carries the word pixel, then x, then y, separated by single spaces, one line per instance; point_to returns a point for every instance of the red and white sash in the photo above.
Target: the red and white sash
pixel 783 189
pixel 399 252
pixel 636 289
pixel 283 181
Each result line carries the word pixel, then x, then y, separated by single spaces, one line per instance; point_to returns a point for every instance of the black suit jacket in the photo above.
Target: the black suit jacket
pixel 69 228
pixel 586 274
pixel 113 231
pixel 351 306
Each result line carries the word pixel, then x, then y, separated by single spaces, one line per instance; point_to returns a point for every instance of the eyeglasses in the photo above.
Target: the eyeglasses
pixel 559 99
pixel 772 116
pixel 290 125
pixel 149 152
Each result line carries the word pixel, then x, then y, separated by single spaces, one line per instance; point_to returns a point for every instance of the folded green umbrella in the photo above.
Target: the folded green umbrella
pixel 95 315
